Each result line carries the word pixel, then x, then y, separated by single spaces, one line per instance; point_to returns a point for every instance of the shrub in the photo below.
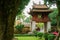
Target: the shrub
pixel 39 34
pixel 19 27
pixel 35 32
pixel 51 37
pixel 46 35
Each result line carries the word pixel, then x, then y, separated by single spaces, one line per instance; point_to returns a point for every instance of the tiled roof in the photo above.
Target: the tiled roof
pixel 40 6
pixel 41 10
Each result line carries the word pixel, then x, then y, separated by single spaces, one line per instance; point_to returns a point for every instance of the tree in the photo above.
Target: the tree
pixel 52 17
pixel 21 16
pixel 8 11
pixel 58 19
pixel 49 2
pixel 28 19
pixel 58 7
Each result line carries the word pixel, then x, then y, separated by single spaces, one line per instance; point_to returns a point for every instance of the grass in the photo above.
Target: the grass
pixel 29 38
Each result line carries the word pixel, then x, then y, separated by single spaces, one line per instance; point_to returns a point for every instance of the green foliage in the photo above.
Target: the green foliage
pixel 40 25
pixel 51 37
pixel 12 6
pixel 22 5
pixel 21 16
pixel 54 13
pixel 49 1
pixel 17 35
pixel 19 27
pixel 35 32
pixel 53 17
pixel 9 7
pixel 39 34
pixel 46 35
pixel 28 19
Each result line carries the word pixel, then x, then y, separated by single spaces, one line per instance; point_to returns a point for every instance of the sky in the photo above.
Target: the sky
pixel 30 4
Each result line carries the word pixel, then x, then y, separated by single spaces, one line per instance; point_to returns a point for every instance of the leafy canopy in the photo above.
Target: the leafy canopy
pixel 53 17
pixel 49 2
pixel 22 5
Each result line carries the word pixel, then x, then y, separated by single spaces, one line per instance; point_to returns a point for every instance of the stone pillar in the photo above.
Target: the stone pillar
pixel 48 26
pixel 33 25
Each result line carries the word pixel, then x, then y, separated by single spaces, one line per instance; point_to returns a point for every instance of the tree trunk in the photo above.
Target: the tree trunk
pixel 58 16
pixel 6 26
pixel 8 10
pixel 9 28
